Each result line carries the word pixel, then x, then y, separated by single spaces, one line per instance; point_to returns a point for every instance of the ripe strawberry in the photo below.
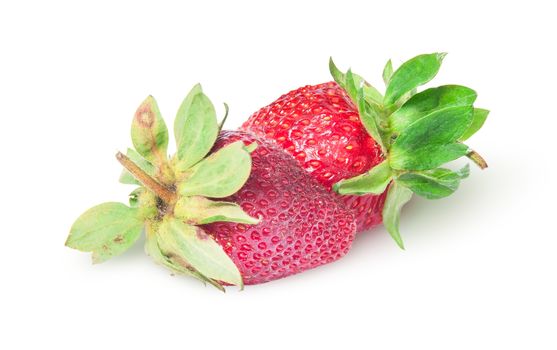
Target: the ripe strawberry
pixel 228 209
pixel 320 127
pixel 302 226
pixel 377 150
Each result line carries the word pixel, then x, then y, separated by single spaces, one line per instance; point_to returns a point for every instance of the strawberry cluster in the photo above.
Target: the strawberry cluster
pixel 289 191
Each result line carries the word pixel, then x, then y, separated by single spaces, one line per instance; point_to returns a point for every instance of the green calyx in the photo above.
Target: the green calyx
pixel 418 133
pixel 174 195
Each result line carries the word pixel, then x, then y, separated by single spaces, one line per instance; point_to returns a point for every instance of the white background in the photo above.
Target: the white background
pixel 479 271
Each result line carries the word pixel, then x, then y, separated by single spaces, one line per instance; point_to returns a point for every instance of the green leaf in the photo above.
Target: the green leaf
pixel 106 230
pixel 149 132
pixel 337 75
pixel 220 175
pixel 431 141
pixel 352 82
pixel 388 72
pixel 355 87
pixel 351 87
pixel 402 100
pixel 397 197
pixel 428 157
pixel 429 100
pixel 144 164
pixel 478 120
pixel 374 181
pixel 195 128
pixel 370 119
pixel 200 210
pixel 371 94
pixel 173 262
pixel 411 74
pixel 433 184
pixel 199 249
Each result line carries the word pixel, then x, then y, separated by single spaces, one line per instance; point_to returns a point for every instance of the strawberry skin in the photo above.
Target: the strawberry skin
pixel 302 225
pixel 320 127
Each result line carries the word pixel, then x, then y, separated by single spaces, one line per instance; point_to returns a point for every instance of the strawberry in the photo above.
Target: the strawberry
pixel 226 210
pixel 320 127
pixel 377 150
pixel 302 226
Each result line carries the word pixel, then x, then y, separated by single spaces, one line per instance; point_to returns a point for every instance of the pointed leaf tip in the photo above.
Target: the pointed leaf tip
pixel 337 75
pixel 195 128
pixel 388 72
pixel 478 119
pixel 397 197
pixel 149 132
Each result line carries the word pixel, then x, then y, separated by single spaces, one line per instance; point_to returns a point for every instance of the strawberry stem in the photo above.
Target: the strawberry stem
pixel 161 191
pixel 476 158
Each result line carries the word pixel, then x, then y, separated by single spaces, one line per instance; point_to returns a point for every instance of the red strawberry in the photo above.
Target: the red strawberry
pixel 229 209
pixel 377 149
pixel 320 127
pixel 302 225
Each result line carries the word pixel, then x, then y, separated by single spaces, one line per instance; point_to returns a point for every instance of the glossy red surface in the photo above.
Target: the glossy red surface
pixel 320 127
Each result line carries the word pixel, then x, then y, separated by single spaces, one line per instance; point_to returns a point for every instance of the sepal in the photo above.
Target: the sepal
pixel 397 197
pixel 106 230
pixel 149 132
pixel 478 120
pixel 374 181
pixel 411 74
pixel 429 101
pixel 432 140
pixel 195 128
pixel 418 132
pixel 197 210
pixel 219 175
pixel 173 263
pixel 433 184
pixel 197 249
pixel 387 72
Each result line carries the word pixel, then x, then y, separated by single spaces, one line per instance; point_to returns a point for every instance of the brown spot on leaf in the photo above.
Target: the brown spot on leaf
pixel 201 234
pixel 118 239
pixel 145 116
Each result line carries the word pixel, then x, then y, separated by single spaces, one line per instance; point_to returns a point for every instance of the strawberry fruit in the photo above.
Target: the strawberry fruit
pixel 359 142
pixel 320 127
pixel 231 210
pixel 289 191
pixel 302 226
